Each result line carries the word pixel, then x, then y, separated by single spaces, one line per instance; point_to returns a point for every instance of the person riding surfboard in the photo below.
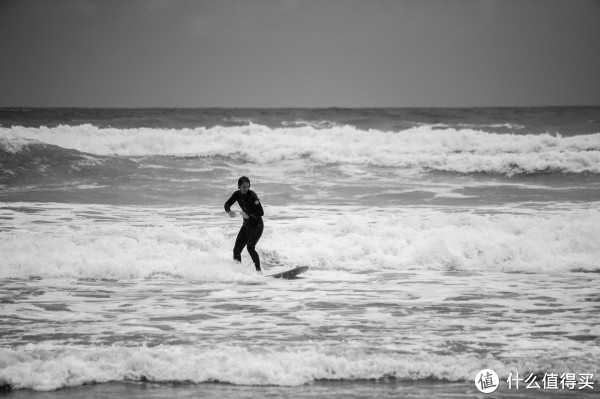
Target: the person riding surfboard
pixel 252 226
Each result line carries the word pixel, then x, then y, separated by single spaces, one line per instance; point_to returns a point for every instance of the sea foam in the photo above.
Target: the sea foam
pixel 48 367
pixel 422 148
pixel 350 240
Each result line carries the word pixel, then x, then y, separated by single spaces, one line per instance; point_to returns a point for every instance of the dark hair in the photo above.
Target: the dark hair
pixel 243 180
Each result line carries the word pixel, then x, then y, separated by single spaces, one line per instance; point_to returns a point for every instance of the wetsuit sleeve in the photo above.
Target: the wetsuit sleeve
pixel 230 202
pixel 258 209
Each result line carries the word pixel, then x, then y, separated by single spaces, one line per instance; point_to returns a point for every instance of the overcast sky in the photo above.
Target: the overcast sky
pixel 307 53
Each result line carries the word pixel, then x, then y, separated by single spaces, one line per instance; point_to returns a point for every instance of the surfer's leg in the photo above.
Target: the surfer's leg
pixel 240 243
pixel 254 236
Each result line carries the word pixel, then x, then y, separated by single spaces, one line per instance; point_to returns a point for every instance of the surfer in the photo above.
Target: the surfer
pixel 252 227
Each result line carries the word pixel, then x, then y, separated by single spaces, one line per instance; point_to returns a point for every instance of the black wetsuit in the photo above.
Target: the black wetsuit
pixel 252 228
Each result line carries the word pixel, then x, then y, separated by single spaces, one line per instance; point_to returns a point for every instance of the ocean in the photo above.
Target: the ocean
pixel 441 242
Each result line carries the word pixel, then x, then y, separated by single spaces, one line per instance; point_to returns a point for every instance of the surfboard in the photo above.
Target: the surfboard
pixel 289 274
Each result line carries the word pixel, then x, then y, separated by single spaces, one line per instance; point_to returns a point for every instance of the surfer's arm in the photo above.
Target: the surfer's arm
pixel 257 205
pixel 230 202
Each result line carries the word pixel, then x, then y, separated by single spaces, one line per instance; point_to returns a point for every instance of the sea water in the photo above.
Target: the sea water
pixel 440 242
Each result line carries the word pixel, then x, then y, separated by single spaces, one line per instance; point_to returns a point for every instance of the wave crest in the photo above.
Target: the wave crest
pixel 47 367
pixel 421 148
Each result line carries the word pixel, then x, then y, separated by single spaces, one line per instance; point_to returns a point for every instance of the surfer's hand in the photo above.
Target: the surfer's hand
pixel 244 215
pixel 232 214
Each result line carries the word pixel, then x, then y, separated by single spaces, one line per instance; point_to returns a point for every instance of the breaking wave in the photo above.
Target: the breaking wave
pixel 47 367
pixel 422 148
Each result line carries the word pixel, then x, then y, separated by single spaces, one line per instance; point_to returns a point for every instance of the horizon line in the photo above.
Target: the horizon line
pixel 26 107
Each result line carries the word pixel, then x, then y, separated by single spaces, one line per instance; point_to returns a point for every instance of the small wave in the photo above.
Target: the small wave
pixel 46 367
pixel 238 120
pixel 509 126
pixel 48 163
pixel 313 124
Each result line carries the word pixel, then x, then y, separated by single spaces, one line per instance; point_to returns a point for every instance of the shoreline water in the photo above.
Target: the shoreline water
pixel 330 324
pixel 423 389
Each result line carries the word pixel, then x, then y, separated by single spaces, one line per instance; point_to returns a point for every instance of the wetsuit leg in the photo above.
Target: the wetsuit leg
pixel 253 237
pixel 240 243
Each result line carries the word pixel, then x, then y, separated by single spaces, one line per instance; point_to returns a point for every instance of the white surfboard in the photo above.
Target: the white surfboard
pixel 289 274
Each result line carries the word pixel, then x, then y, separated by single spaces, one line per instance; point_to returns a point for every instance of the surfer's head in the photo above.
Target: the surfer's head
pixel 244 184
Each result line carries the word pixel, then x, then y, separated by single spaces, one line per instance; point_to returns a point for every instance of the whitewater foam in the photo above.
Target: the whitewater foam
pixel 423 148
pixel 11 142
pixel 135 243
pixel 48 367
